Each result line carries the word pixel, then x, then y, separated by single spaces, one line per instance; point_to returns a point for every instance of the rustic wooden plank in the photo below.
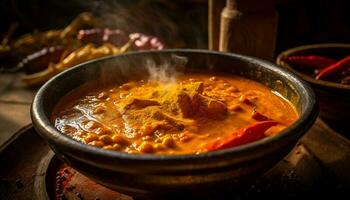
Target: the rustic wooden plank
pixel 6 82
pixel 332 150
pixel 12 90
pixel 12 118
pixel 19 162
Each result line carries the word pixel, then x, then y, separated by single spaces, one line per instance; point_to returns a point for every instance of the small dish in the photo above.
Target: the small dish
pixel 333 97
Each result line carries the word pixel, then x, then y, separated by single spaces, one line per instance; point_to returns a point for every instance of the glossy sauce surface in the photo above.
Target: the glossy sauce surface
pixel 180 117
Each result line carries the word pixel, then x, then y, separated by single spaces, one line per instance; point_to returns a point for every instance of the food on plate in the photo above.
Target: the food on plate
pixel 33 42
pixel 46 63
pixel 196 113
pixel 80 55
pixel 41 54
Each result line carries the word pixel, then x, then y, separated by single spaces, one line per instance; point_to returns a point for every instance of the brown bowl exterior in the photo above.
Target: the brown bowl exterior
pixel 334 98
pixel 145 175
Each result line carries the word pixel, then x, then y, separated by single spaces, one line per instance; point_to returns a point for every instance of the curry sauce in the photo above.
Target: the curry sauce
pixel 180 117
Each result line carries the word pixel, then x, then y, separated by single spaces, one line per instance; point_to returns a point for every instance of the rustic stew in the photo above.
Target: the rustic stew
pixel 195 113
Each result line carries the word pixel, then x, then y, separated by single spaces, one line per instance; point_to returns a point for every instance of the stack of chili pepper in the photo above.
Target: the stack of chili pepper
pixel 117 37
pixel 36 63
pixel 324 68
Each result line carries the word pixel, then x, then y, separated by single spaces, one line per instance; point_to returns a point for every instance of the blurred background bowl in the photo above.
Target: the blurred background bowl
pixel 334 98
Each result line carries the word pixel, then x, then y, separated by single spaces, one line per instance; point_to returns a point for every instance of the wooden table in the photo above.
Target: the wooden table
pixel 15 100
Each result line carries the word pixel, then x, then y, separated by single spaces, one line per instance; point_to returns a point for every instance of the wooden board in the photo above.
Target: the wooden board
pixel 15 101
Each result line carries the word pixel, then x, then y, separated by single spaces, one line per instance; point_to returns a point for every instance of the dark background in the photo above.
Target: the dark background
pixel 181 23
pixel 313 21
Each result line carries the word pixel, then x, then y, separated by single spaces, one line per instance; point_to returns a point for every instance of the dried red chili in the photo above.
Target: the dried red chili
pixel 259 117
pixel 242 136
pixel 39 60
pixel 312 61
pixel 99 36
pixel 342 65
pixel 117 37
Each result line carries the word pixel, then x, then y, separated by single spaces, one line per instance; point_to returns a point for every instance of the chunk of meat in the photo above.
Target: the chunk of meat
pixel 185 104
pixel 193 88
pixel 189 106
pixel 179 123
pixel 150 119
pixel 187 98
pixel 180 100
pixel 217 107
pixel 137 103
pixel 210 107
pixel 191 101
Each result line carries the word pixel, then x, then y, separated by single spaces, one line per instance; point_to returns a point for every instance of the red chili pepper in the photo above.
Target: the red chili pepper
pixel 119 38
pixel 332 69
pixel 39 60
pixel 99 36
pixel 259 117
pixel 242 136
pixel 312 61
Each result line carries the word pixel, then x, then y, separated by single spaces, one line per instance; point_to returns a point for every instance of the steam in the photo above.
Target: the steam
pixel 136 17
pixel 164 73
pixel 163 19
pixel 166 20
pixel 168 71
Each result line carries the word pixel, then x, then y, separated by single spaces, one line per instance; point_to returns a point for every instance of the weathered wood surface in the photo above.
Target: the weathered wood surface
pixel 15 100
pixel 332 149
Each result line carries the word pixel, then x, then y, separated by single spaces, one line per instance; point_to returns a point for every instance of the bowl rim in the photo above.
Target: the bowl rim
pixel 323 83
pixel 42 123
